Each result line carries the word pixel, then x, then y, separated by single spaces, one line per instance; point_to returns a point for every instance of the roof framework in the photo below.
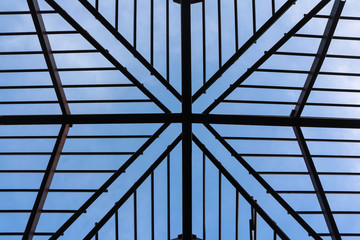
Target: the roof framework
pixel 73 105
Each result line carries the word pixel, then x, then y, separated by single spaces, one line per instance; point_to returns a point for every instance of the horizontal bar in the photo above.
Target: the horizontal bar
pixel 341 17
pixel 57 171
pixel 313 192
pixel 50 190
pixel 291 139
pixel 321 36
pixel 307 72
pixel 59 69
pixel 78 137
pixel 25 12
pixel 314 55
pixel 287 103
pixel 300 88
pixel 70 86
pixel 65 153
pixel 29 211
pixel 333 212
pixel 21 233
pixel 306 173
pixel 177 118
pixel 53 52
pixel 296 155
pixel 34 33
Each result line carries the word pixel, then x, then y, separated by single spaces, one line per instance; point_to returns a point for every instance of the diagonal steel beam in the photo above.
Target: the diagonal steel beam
pixel 60 93
pixel 129 47
pixel 108 182
pixel 320 56
pixel 45 184
pixel 268 54
pixel 325 207
pixel 48 55
pixel 264 183
pixel 243 49
pixel 106 54
pixel 241 190
pixel 126 196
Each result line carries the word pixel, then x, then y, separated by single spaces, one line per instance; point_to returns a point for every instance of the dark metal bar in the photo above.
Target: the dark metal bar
pixel 273 12
pixel 97 5
pixel 36 33
pixel 97 234
pixel 244 48
pixel 203 20
pixel 236 25
pixel 186 124
pixel 167 43
pixel 241 190
pixel 204 197
pixel 320 57
pixel 135 24
pixel 49 57
pixel 117 225
pixel 254 15
pixel 264 183
pixel 152 32
pixel 178 118
pixel 130 48
pixel 300 88
pixel 59 70
pixel 108 182
pixel 220 214
pixel 135 215
pixel 117 15
pixel 24 12
pixel 306 173
pixel 219 32
pixel 152 207
pixel 168 202
pixel 50 190
pixel 314 55
pixel 43 211
pixel 325 207
pixel 236 215
pixel 321 36
pixel 333 212
pixel 53 52
pixel 314 192
pixel 126 196
pixel 45 184
pixel 105 53
pixel 268 54
pixel 70 86
pixel 341 17
pixel 284 103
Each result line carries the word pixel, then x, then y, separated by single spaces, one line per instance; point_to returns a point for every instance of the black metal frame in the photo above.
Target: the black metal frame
pixel 186 118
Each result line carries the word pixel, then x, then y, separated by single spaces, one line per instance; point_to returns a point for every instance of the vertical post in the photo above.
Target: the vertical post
pixel 186 124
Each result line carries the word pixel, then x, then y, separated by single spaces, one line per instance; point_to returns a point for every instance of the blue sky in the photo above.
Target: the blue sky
pixel 50 222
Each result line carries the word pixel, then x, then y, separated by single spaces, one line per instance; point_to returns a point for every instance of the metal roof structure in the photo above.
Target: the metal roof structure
pixel 212 119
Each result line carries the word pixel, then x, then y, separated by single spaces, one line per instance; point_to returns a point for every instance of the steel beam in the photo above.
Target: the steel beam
pixel 107 183
pixel 106 54
pixel 264 183
pixel 285 121
pixel 241 190
pixel 320 56
pixel 268 54
pixel 60 93
pixel 325 207
pixel 48 55
pixel 133 188
pixel 45 184
pixel 243 49
pixel 129 47
pixel 186 119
